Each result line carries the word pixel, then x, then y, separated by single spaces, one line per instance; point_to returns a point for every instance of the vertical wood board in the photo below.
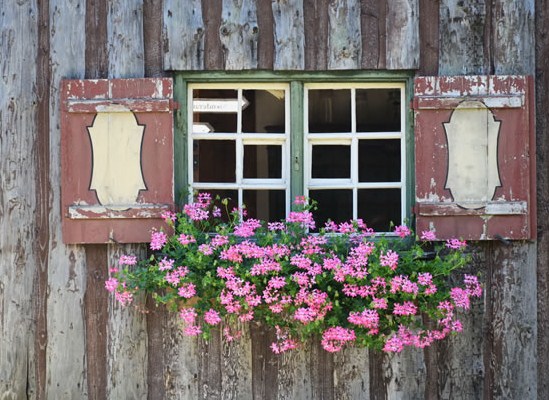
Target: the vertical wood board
pixel 513 327
pixel 238 34
pixel 344 40
pixel 402 34
pixel 315 17
pixel 125 39
pixel 127 341
pixel 513 24
pixel 18 263
pixel 289 35
pixel 462 47
pixel 67 268
pixel 184 36
pixel 372 22
pixel 542 184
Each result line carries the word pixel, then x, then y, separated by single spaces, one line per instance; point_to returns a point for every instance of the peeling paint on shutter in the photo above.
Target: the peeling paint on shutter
pixel 475 157
pixel 117 158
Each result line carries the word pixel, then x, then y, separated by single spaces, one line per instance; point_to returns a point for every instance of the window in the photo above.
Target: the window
pixel 341 143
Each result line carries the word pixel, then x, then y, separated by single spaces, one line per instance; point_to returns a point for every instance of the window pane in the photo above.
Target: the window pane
pixel 263 161
pixel 230 195
pixel 264 112
pixel 379 160
pixel 379 207
pixel 378 110
pixel 214 110
pixel 331 161
pixel 267 205
pixel 329 110
pixel 214 161
pixel 336 205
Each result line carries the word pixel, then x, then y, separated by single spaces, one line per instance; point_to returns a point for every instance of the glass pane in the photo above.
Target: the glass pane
pixel 230 195
pixel 336 205
pixel 264 112
pixel 267 205
pixel 214 110
pixel 263 161
pixel 379 207
pixel 379 160
pixel 331 161
pixel 378 110
pixel 214 161
pixel 329 110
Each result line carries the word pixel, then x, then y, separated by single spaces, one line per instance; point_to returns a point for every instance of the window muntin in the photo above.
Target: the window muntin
pixel 239 136
pixel 358 125
pixel 355 149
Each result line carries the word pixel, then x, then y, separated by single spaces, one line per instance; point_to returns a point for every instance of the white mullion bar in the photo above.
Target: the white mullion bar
pixel 354 154
pixel 379 135
pixel 307 145
pixel 239 149
pixel 287 161
pixel 190 144
pixel 353 110
pixel 239 111
pixel 403 165
pixel 380 185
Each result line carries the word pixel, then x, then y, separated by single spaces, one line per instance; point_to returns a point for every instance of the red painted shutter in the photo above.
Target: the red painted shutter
pixel 475 157
pixel 117 158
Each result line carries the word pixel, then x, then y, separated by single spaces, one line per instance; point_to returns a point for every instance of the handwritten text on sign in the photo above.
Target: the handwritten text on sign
pixel 218 105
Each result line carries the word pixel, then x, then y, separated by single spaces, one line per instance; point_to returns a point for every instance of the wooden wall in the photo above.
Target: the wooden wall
pixel 61 336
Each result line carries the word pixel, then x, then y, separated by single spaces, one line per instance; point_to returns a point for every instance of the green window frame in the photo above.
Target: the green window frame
pixel 300 140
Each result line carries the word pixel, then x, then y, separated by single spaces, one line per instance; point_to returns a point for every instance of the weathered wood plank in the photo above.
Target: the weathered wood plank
pixel 213 56
pixel 513 24
pixel 182 362
pixel 460 364
pixel 209 366
pixel 351 374
pixel 315 16
pixel 95 308
pixel 379 380
pixel 152 38
pixel 127 346
pixel 289 35
pixel 344 40
pixel 127 340
pixel 18 263
pixel 458 361
pixel 405 373
pixel 321 366
pixel 372 22
pixel 68 275
pixel 513 328
pixel 125 39
pixel 462 26
pixel 542 141
pixel 266 39
pixel 236 372
pixel 238 34
pixel 156 320
pixel 264 363
pixel 157 353
pixel 428 36
pixel 96 52
pixel 42 160
pixel 183 35
pixel 402 39
pixel 294 375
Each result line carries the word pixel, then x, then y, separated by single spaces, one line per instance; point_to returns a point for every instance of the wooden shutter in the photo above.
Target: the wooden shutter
pixel 475 157
pixel 117 158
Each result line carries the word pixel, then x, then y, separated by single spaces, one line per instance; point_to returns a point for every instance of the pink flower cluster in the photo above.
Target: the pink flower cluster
pixel 341 283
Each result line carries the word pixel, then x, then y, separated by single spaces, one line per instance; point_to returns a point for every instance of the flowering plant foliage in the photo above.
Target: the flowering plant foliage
pixel 344 284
